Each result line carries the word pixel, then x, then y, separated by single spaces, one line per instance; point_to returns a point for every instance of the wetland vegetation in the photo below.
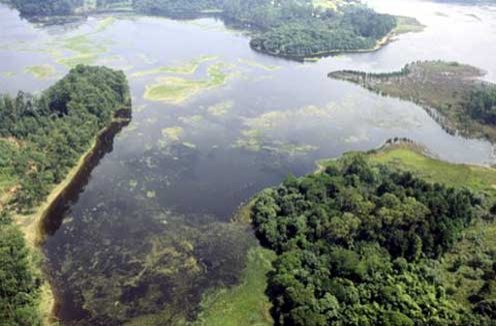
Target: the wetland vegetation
pixel 465 102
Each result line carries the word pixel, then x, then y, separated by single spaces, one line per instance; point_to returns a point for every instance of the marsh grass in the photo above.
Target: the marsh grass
pixel 245 304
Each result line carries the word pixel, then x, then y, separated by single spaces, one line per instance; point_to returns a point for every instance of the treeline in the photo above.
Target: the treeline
pixel 292 28
pixel 41 138
pixel 361 75
pixel 481 104
pixel 46 135
pixel 289 28
pixel 19 288
pixel 30 8
pixel 360 245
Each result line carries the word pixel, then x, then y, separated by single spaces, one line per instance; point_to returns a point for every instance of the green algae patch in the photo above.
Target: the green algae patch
pixel 41 71
pixel 271 131
pixel 172 133
pixel 188 68
pixel 105 23
pixel 220 109
pixel 258 65
pixel 243 304
pixel 177 90
pixel 83 50
pixel 7 74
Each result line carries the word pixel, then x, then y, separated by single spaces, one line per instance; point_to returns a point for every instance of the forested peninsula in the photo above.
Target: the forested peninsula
pixel 462 102
pixel 294 29
pixel 41 139
pixel 391 237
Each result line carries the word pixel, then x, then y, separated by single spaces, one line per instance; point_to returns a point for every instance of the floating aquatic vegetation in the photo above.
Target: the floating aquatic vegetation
pixel 172 133
pixel 220 109
pixel 8 74
pixel 192 120
pixel 270 130
pixel 188 68
pixel 105 23
pixel 142 261
pixel 147 59
pixel 189 145
pixel 177 90
pixel 41 71
pixel 133 183
pixel 84 49
pixel 255 64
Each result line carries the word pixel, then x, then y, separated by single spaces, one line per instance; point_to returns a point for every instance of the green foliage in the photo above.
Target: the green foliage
pixel 293 28
pixel 19 290
pixel 46 7
pixel 48 144
pixel 360 244
pixel 481 104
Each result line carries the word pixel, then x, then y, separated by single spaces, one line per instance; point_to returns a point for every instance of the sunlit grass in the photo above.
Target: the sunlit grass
pixel 245 304
pixel 477 178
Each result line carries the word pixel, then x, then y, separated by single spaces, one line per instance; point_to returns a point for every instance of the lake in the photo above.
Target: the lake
pixel 213 123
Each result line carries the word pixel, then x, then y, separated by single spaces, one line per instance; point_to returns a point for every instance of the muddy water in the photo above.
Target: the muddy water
pixel 148 234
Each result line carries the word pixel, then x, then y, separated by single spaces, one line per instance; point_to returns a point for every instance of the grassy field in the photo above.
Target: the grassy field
pixel 245 304
pixel 477 178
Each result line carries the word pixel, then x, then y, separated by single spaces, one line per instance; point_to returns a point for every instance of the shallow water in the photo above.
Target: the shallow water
pixel 148 234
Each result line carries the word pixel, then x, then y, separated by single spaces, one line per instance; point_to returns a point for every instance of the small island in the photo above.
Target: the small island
pixel 453 93
pixel 389 237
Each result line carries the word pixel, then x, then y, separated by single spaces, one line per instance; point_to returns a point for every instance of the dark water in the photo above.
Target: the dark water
pixel 149 232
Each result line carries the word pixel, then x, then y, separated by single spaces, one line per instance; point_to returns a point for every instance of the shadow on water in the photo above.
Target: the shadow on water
pixel 55 213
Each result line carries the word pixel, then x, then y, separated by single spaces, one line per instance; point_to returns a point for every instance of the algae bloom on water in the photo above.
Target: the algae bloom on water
pixel 41 71
pixel 177 90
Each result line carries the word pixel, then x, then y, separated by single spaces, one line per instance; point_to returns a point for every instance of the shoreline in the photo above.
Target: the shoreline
pixel 379 44
pixel 34 226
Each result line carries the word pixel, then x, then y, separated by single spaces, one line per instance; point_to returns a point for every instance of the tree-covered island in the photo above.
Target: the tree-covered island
pixel 295 29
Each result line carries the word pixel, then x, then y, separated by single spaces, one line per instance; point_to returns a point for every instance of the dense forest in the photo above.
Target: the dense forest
pixel 19 288
pixel 291 28
pixel 46 7
pixel 41 138
pixel 38 136
pixel 481 104
pixel 360 244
